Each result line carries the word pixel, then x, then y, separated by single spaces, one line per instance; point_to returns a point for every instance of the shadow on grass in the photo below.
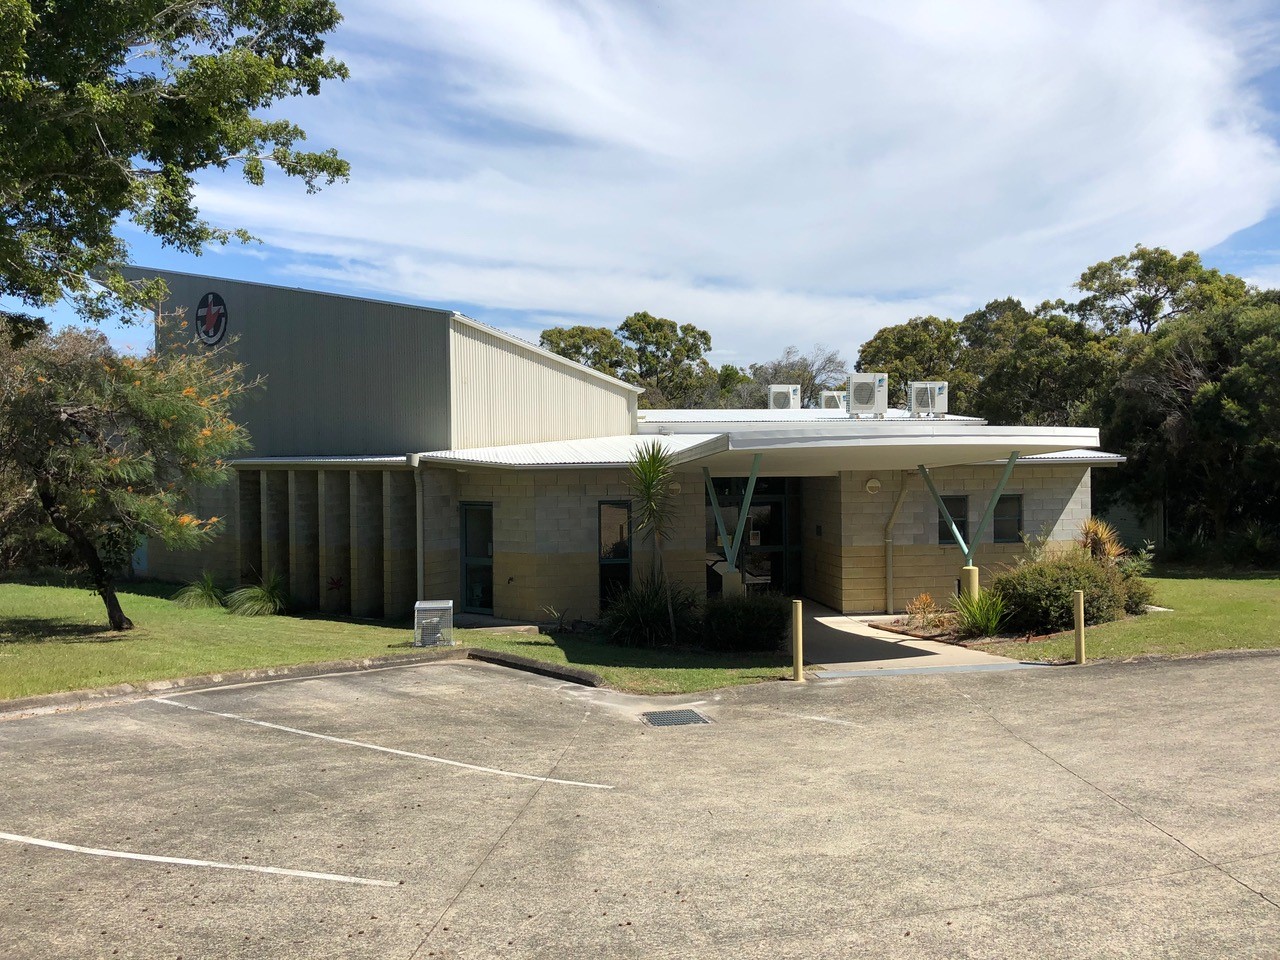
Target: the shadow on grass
pixel 588 650
pixel 54 630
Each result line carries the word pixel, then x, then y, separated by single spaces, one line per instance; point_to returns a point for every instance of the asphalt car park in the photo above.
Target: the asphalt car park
pixel 466 810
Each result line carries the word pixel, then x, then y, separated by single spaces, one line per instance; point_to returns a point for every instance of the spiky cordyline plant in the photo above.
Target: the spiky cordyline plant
pixel 652 473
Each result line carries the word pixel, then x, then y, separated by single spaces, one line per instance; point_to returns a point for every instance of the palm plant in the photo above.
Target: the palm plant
pixel 652 474
pixel 1101 541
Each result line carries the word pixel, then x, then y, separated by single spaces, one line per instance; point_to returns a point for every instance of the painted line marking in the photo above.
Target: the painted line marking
pixel 187 862
pixel 399 753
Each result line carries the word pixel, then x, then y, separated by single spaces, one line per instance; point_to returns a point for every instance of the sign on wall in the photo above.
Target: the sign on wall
pixel 211 319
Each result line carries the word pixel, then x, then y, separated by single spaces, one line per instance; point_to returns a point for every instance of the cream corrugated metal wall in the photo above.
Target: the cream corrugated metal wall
pixel 506 393
pixel 345 376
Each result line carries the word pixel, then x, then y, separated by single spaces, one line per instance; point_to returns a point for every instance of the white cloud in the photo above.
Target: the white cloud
pixel 775 173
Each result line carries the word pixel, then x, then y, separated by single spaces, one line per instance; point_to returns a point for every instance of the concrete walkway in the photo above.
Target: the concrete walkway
pixel 836 644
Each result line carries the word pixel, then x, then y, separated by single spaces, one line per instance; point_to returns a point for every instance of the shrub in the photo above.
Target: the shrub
pixel 1039 595
pixel 1257 545
pixel 1138 594
pixel 923 612
pixel 265 598
pixel 980 614
pixel 203 592
pixel 753 621
pixel 638 617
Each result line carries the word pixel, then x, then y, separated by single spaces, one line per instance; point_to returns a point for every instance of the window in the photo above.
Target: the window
pixel 1006 524
pixel 615 549
pixel 958 507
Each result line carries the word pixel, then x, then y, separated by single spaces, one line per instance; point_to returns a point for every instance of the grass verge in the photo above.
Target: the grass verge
pixel 1218 612
pixel 53 638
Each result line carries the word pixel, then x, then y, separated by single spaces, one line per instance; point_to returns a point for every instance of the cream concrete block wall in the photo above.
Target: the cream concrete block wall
pixel 333 496
pixel 441 524
pixel 304 536
pixel 274 485
pixel 220 557
pixel 366 543
pixel 399 544
pixel 844 566
pixel 547 537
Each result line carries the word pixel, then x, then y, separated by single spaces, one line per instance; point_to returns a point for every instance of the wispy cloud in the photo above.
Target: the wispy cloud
pixel 774 172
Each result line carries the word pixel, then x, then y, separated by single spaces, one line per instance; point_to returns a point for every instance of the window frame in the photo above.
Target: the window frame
pixel 995 520
pixel 601 560
pixel 945 539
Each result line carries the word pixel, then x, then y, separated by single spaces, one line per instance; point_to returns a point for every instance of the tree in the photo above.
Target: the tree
pixel 822 368
pixel 1039 366
pixel 1149 285
pixel 655 353
pixel 109 110
pixel 923 348
pixel 108 447
pixel 652 473
pixel 596 347
pixel 1198 416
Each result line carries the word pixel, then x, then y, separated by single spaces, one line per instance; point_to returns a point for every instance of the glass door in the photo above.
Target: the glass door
pixel 477 557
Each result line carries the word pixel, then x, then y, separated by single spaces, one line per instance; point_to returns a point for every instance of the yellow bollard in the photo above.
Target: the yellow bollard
pixel 969 581
pixel 1078 603
pixel 797 641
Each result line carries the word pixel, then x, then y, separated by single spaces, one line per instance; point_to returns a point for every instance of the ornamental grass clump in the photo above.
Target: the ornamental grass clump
pixel 979 614
pixel 642 615
pixel 266 598
pixel 201 593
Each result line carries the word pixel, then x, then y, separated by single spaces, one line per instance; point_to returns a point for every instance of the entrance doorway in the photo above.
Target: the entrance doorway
pixel 477 558
pixel 770 553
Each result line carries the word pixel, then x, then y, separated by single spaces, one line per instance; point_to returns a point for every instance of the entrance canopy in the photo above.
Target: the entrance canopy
pixel 788 447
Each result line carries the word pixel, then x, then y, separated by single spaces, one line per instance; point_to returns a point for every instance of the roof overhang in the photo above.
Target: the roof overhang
pixel 591 453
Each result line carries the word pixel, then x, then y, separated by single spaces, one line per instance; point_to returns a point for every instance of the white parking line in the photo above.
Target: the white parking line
pixel 807 716
pixel 187 862
pixel 400 753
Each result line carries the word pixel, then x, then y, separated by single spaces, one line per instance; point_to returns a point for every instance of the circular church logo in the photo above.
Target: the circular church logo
pixel 211 319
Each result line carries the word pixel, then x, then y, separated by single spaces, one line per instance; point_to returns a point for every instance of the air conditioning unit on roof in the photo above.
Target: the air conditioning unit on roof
pixel 927 397
pixel 784 396
pixel 868 393
pixel 834 400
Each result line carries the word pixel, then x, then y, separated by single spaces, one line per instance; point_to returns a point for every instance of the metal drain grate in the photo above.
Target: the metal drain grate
pixel 672 718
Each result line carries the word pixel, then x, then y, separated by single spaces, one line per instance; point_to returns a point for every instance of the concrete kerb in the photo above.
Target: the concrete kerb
pixel 124 692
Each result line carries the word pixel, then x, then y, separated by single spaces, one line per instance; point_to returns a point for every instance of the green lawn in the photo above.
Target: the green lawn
pixel 1220 612
pixel 54 638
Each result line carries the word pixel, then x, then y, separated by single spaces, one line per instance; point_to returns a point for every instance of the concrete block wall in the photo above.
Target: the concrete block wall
pixel 366 543
pixel 399 544
pixel 844 566
pixel 546 537
pixel 333 539
pixel 275 522
pixel 248 525
pixel 219 556
pixel 304 537
pixel 441 524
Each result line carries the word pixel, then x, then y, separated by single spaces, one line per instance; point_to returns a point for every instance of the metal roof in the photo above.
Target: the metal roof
pixel 593 452
pixel 1081 456
pixel 337 463
pixel 761 415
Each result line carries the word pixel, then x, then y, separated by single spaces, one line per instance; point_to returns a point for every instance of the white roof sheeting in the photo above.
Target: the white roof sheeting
pixel 648 417
pixel 1092 458
pixel 592 452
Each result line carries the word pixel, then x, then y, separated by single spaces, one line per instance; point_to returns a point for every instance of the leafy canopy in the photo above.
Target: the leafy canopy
pixel 109 110
pixel 110 447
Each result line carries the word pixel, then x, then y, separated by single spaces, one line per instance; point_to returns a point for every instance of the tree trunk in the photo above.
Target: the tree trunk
pixel 102 579
pixel 666 587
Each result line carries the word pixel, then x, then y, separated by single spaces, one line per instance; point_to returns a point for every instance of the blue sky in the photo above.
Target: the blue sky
pixel 776 173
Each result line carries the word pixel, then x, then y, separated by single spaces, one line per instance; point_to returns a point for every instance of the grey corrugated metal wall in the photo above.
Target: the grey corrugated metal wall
pixel 344 376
